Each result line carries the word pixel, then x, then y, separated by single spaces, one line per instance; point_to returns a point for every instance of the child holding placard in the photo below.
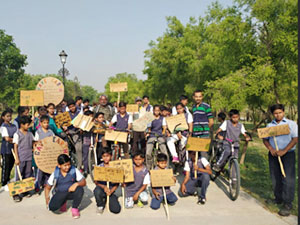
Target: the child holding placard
pixel 101 191
pixel 40 134
pixel 23 141
pixel 86 144
pixel 180 136
pixel 123 122
pixel 136 191
pixel 190 184
pixel 102 124
pixel 157 192
pixel 7 130
pixel 68 184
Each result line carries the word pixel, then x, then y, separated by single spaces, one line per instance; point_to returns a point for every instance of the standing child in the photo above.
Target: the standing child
pixel 100 124
pixel 190 184
pixel 233 130
pixel 68 184
pixel 157 128
pixel 40 134
pixel 7 132
pixel 157 192
pixel 23 141
pixel 136 191
pixel 123 123
pixel 86 144
pixel 101 190
pixel 283 187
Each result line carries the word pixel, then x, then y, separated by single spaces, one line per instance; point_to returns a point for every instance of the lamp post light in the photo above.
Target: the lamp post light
pixel 63 58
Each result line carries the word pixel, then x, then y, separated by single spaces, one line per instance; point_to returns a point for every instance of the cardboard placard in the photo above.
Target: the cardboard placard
pixel 46 152
pixel 140 124
pixel 63 119
pixel 83 122
pixel 127 166
pixel 111 135
pixel 53 90
pixel 21 186
pixel 109 174
pixel 99 128
pixel 273 131
pixel 118 87
pixel 178 122
pixel 162 178
pixel 198 144
pixel 32 98
pixel 132 108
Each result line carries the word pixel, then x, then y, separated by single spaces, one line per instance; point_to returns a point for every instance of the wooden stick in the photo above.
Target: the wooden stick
pixel 18 168
pixel 279 158
pixel 166 203
pixel 107 197
pixel 244 152
pixel 123 198
pixel 95 151
pixel 196 161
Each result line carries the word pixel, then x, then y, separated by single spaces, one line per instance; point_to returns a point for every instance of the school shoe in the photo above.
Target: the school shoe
pixel 285 210
pixel 216 168
pixel 129 203
pixel 17 198
pixel 63 208
pixel 100 210
pixel 140 204
pixel 75 213
pixel 201 201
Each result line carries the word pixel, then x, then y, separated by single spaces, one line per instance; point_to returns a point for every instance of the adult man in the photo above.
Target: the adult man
pixel 105 108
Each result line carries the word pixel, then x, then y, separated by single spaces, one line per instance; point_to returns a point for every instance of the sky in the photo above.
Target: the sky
pixel 101 38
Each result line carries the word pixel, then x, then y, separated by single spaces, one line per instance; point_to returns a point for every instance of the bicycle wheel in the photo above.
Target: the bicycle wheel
pixel 213 154
pixel 92 163
pixel 234 179
pixel 74 160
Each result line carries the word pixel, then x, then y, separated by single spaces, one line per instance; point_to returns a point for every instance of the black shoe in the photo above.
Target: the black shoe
pixel 273 201
pixel 285 210
pixel 201 201
pixel 216 168
pixel 17 198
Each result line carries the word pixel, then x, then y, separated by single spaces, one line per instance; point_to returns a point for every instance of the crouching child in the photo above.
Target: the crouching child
pixel 192 185
pixel 68 184
pixel 136 191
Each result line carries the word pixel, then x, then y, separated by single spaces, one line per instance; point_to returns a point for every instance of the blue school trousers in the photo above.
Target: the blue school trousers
pixel 155 203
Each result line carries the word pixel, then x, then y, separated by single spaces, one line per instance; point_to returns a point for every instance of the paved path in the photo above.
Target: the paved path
pixel 219 209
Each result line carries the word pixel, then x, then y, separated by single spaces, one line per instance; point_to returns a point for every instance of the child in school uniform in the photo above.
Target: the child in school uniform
pixel 43 132
pixel 86 144
pixel 233 130
pixel 68 184
pixel 136 191
pixel 101 190
pixel 157 192
pixel 156 128
pixel 22 111
pixel 180 136
pixel 23 141
pixel 101 125
pixel 7 131
pixel 191 184
pixel 123 123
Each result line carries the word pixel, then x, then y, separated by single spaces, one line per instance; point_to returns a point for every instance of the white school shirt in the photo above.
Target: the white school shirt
pixel 114 119
pixel 224 125
pixel 79 177
pixel 174 111
pixel 203 161
pixel 147 179
pixel 4 132
pixel 16 137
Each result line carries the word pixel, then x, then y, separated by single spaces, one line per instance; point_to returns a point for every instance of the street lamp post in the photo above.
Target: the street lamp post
pixel 63 58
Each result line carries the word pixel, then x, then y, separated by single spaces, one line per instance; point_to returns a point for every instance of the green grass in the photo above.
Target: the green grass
pixel 255 176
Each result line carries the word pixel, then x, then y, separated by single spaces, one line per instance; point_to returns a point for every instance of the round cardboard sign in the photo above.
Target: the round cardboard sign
pixel 46 152
pixel 53 90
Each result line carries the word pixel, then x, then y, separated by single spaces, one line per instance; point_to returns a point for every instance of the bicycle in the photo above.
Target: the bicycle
pixel 155 151
pixel 232 171
pixel 117 150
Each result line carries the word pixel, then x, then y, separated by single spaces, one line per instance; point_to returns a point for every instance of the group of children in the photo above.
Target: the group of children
pixel 21 135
